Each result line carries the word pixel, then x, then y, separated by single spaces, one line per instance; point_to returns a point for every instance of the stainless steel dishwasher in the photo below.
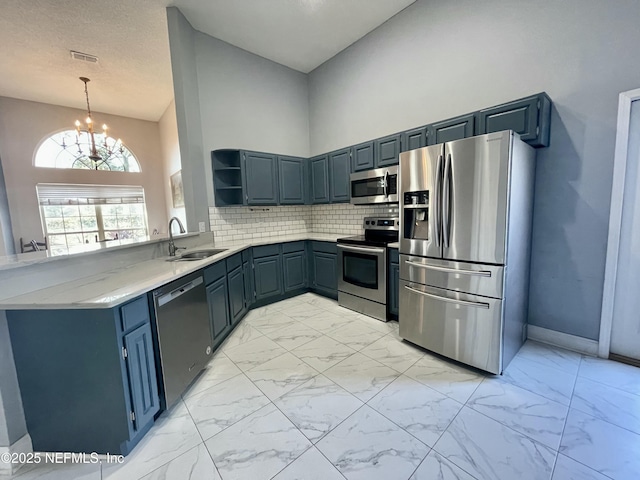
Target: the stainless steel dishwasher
pixel 184 334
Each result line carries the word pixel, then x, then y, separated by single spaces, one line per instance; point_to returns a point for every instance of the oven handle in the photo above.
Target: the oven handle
pixel 477 273
pixel 449 300
pixel 362 249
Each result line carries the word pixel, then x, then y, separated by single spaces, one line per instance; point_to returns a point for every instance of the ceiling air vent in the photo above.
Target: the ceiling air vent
pixel 85 57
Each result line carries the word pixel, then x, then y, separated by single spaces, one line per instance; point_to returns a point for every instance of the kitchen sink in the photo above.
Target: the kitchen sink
pixel 197 255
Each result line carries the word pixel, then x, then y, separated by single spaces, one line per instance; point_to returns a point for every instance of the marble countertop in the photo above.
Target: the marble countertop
pixel 114 287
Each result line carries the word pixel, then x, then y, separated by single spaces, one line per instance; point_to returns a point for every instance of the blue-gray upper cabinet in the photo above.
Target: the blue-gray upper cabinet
pixel 141 370
pixel 387 150
pixel 267 271
pixel 362 157
pixel 319 173
pixel 339 172
pixel 530 117
pixel 412 139
pixel 452 129
pixel 292 180
pixel 260 178
pixel 218 301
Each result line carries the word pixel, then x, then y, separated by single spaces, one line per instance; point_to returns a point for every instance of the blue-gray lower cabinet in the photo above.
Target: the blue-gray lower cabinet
pixel 141 370
pixel 324 268
pixel 267 273
pixel 294 267
pixel 218 301
pixel 387 151
pixel 237 304
pixel 87 384
pixel 339 173
pixel 247 275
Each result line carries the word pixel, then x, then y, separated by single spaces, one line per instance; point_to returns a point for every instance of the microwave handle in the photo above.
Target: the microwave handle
pixel 386 183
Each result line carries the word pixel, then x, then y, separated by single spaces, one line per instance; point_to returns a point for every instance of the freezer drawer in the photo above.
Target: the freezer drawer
pixel 467 328
pixel 484 280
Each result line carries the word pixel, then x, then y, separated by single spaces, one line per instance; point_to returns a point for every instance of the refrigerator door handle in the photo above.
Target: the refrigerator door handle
pixel 446 202
pixel 449 300
pixel 438 201
pixel 477 273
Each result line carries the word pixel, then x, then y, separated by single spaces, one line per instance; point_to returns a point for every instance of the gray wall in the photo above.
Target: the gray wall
pixel 435 60
pixel 7 246
pixel 12 424
pixel 185 84
pixel 227 97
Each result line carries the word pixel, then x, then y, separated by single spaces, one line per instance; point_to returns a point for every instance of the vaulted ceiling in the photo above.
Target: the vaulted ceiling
pixel 133 75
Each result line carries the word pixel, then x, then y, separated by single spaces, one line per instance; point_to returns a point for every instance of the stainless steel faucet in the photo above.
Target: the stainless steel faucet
pixel 172 246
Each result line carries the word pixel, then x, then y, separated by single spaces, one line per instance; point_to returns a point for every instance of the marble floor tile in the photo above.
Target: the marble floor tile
pixel 281 375
pixel 524 411
pixel 361 376
pixel 262 311
pixel 323 353
pixel 302 310
pixel 367 446
pixel 230 401
pixel 607 403
pixel 217 371
pixel 326 322
pixel 254 353
pixel 418 409
pixel 488 450
pixel 196 464
pixel 317 406
pixel 396 354
pixel 173 434
pixel 293 336
pixel 270 323
pixel 455 381
pixel 355 335
pixel 288 303
pixel 57 471
pixel 436 467
pixel 243 333
pixel 311 465
pixel 257 447
pixel 551 356
pixel 317 300
pixel 378 325
pixel 568 469
pixel 549 382
pixel 606 448
pixel 615 374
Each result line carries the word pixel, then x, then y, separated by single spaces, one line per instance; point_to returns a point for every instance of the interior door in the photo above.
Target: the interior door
pixel 474 198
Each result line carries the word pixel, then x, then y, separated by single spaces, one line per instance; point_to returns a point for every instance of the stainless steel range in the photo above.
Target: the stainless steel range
pixel 362 267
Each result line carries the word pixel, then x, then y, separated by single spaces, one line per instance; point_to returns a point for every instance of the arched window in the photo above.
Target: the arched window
pixel 68 150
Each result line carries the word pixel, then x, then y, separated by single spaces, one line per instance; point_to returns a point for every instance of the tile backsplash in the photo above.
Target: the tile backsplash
pixel 243 223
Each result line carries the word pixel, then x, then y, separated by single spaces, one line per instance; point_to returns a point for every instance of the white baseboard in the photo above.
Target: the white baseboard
pixel 564 340
pixel 23 445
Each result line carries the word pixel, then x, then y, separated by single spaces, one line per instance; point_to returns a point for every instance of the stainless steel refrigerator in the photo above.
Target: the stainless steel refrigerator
pixel 465 228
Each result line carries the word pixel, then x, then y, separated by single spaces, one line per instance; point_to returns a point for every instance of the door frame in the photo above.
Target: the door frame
pixel 615 218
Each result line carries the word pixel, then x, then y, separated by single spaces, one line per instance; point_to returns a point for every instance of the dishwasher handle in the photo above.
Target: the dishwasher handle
pixel 172 295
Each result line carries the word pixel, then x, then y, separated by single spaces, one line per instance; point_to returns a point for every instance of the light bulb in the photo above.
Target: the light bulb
pixel 88 120
pixel 77 123
pixel 104 127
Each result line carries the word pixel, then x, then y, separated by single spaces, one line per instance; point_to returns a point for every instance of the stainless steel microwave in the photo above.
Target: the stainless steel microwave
pixel 375 186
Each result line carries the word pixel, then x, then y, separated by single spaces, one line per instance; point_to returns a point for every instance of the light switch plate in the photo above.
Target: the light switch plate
pixel 201 227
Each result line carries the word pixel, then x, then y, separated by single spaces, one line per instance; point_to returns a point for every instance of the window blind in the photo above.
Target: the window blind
pixel 74 194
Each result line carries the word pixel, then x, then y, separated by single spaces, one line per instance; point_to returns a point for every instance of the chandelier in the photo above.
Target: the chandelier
pixel 99 152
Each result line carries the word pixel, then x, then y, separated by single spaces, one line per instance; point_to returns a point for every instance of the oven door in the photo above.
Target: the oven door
pixel 363 272
pixel 375 186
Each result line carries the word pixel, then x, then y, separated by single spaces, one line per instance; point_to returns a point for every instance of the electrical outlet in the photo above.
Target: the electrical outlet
pixel 201 227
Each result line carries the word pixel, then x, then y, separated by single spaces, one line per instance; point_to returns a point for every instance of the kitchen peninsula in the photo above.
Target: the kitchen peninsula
pixel 85 339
